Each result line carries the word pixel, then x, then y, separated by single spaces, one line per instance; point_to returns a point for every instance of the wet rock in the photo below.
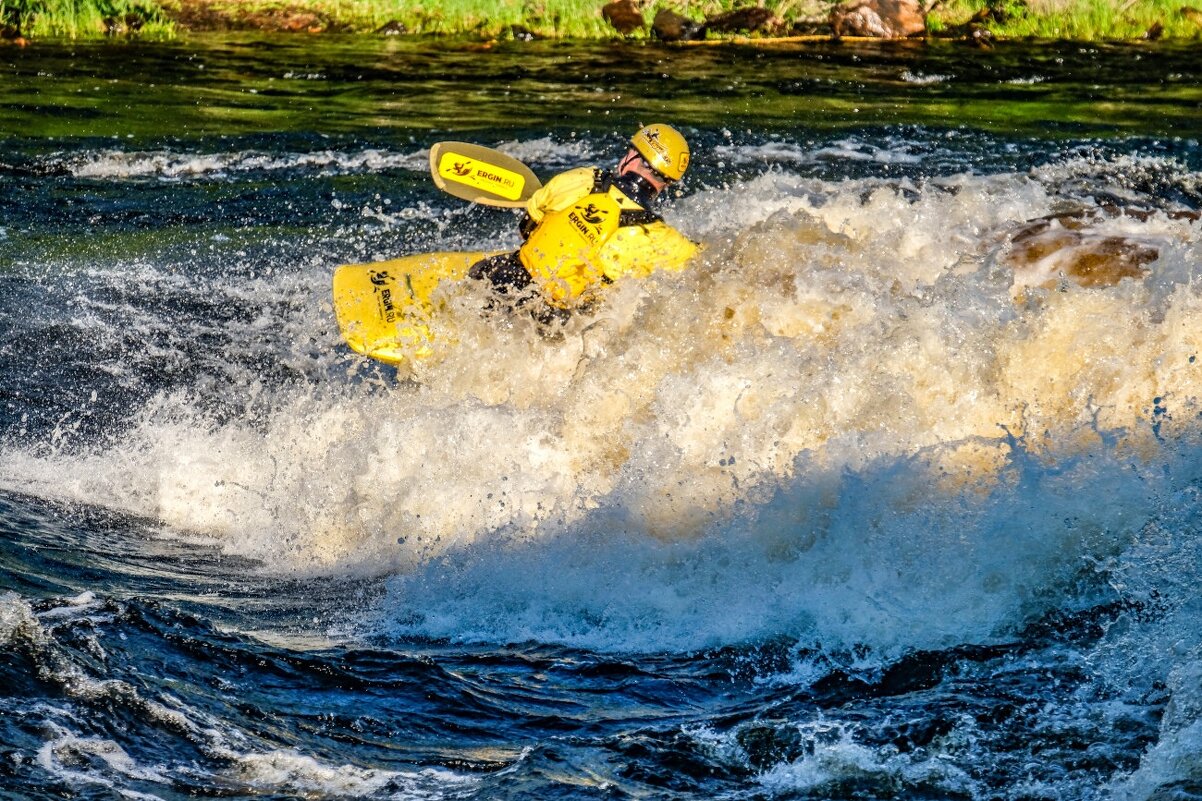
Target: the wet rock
pixel 885 19
pixel 302 22
pixel 750 20
pixel 214 16
pixel 672 27
pixel 281 20
pixel 920 670
pixel 624 15
pixel 1070 248
pixel 122 26
pixel 975 30
pixel 981 37
pixel 392 28
pixel 10 33
pixel 284 20
pixel 809 27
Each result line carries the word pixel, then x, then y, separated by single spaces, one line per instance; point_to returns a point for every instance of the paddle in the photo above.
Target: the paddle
pixel 481 175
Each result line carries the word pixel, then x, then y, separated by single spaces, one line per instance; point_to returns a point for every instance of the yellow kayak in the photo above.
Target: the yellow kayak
pixel 386 309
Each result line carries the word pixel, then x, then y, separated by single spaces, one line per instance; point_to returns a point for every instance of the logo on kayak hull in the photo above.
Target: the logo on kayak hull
pixel 382 283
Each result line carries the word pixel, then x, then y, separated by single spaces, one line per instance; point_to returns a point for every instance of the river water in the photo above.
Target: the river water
pixel 895 493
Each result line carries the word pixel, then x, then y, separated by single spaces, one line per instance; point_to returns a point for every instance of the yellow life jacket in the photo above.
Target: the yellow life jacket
pixel 562 252
pixel 601 237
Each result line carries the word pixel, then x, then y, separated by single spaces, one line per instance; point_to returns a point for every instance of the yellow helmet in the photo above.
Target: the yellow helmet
pixel 664 149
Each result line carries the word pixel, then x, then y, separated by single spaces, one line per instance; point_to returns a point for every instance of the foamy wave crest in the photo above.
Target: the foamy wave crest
pixel 767 153
pixel 855 150
pixel 1141 181
pixel 831 761
pixel 163 164
pixel 924 79
pixel 913 554
pixel 549 152
pixel 783 152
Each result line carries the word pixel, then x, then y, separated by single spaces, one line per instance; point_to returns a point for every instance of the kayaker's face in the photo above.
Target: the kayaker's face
pixel 633 162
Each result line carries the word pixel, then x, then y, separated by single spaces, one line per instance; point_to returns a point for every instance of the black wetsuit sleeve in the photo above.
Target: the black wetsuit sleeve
pixel 505 272
pixel 526 226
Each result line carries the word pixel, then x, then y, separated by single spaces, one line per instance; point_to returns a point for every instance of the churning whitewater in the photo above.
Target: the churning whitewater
pixel 894 493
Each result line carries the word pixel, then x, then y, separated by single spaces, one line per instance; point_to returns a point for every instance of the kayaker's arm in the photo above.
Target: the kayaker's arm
pixel 560 192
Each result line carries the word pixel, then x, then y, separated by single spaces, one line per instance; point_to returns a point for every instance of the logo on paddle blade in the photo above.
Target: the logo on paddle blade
pixel 481 175
pixel 379 277
pixel 494 178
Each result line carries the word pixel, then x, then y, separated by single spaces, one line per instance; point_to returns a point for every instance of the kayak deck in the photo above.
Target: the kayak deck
pixel 386 310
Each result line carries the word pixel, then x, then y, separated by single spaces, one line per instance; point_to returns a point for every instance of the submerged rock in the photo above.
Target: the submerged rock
pixel 885 19
pixel 1073 248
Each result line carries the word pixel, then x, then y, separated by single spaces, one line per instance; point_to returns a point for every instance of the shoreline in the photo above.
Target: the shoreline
pixel 977 22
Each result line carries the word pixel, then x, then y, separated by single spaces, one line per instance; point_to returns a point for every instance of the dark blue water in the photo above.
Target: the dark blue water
pixel 876 500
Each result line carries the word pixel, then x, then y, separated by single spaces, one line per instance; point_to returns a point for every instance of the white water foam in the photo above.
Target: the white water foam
pixel 787 153
pixel 117 165
pixel 549 153
pixel 725 451
pixel 834 760
pixel 924 79
pixel 170 165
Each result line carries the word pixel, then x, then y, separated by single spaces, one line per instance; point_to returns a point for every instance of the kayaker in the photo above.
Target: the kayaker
pixel 588 227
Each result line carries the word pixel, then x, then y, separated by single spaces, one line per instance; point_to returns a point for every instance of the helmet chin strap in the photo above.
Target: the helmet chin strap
pixel 637 187
pixel 634 167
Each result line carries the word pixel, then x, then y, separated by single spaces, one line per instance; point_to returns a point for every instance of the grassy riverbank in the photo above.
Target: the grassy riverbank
pixel 1084 20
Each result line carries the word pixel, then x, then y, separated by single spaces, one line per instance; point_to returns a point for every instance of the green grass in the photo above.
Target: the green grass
pixel 1085 20
pixel 76 19
pixel 552 18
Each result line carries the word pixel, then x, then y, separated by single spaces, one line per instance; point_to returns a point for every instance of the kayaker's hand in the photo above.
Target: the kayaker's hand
pixel 527 226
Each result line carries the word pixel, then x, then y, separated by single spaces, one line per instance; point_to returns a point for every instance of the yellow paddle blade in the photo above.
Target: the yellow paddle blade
pixel 481 175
